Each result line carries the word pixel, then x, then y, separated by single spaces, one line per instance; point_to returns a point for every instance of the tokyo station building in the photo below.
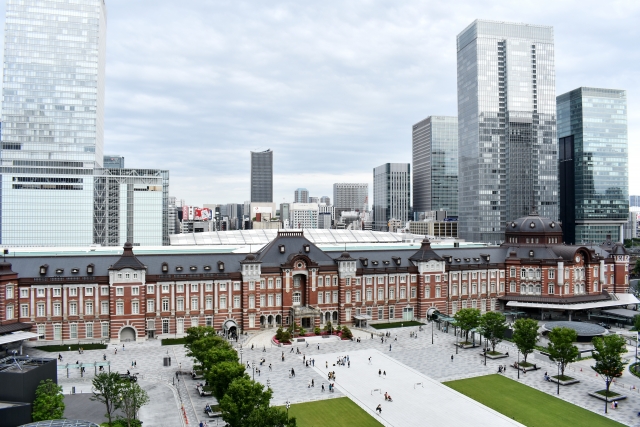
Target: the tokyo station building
pixel 85 296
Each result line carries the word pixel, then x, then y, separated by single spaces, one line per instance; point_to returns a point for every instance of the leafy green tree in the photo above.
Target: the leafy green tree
pixel 242 398
pixel 493 324
pixel 286 337
pixel 317 331
pixel 636 323
pixel 49 403
pixel 200 340
pixel 525 336
pixel 561 348
pixel 132 398
pixel 269 417
pixel 607 353
pixel 279 333
pixel 636 268
pixel 222 374
pixel 467 319
pixel 107 387
pixel 328 327
pixel 346 333
pixel 217 355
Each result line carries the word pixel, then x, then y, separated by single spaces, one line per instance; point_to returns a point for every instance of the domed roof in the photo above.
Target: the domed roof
pixel 250 257
pixel 533 224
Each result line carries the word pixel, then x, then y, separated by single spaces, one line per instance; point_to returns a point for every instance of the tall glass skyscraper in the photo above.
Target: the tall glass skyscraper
pixel 262 176
pixel 52 115
pixel 391 194
pixel 508 163
pixel 435 165
pixel 594 171
pixel 350 196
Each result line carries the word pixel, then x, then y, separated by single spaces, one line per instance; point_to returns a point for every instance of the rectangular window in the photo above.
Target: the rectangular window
pixel 88 308
pixel 57 332
pixel 135 307
pixel 368 280
pixel 104 330
pixel 180 288
pixel 348 281
pixel 278 283
pixel 427 278
pixel 194 287
pixel 151 306
pixel 392 312
pixel 262 284
pixel 464 289
pixel 454 290
pixel 120 307
pixel 380 280
pixel 347 296
pixel 327 297
pixel 165 326
pixel 24 293
pixel 223 302
pixel 165 289
pixel 57 292
pixel 73 331
pixel 403 279
pixel 24 310
pixel 194 303
pixel 104 290
pixel 427 291
pixel 252 285
pixel 73 292
pixel 320 298
pixel 135 290
pixel 208 321
pixel 88 291
pixel 358 282
pixel 369 294
pixel 150 289
pixel 40 292
pixel 119 291
pixel 595 271
pixel 223 286
pixel 41 332
pixel 327 281
pixel 357 296
pixel 413 292
pixel 474 275
pixel 180 304
pixel 262 301
pixel 270 284
pixel 512 272
pixel 335 297
pixel 9 310
pixel 437 291
pixel 252 301
pixel 413 278
pixel 403 293
pixel 57 309
pixel 165 305
pixel 380 313
pixel 209 287
pixel 209 303
pixel 551 288
pixel 236 301
pixel 104 307
pixel 392 279
pixel 380 293
pixel 278 300
pixel 552 273
pixel 392 293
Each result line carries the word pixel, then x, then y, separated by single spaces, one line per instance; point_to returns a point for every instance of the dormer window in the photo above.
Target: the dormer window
pixel 397 260
pixel 179 268
pixel 59 270
pixel 220 265
pixel 457 260
pixel 364 261
pixel 193 268
pixel 374 262
pixel 307 248
pixel 281 248
pixel 75 270
pixel 165 267
pixel 386 262
pixel 43 269
pixel 90 268
pixel 207 267
pixel 531 254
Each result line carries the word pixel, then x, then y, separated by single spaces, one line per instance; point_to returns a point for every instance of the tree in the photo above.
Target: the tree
pixel 132 398
pixel 49 403
pixel 525 336
pixel 200 339
pixel 636 268
pixel 269 417
pixel 493 324
pixel 243 397
pixel 636 323
pixel 217 355
pixel 107 390
pixel 346 333
pixel 221 375
pixel 467 319
pixel 607 353
pixel 561 348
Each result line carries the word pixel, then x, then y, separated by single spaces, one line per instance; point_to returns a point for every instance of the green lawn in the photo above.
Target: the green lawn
pixel 395 324
pixel 71 347
pixel 529 406
pixel 340 412
pixel 173 341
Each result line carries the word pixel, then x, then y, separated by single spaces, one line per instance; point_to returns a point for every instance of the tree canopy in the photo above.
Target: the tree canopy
pixel 493 325
pixel 561 348
pixel 222 374
pixel 49 403
pixel 467 319
pixel 243 397
pixel 132 398
pixel 525 336
pixel 607 353
pixel 107 386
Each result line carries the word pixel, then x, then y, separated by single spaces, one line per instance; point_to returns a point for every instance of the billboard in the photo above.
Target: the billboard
pixel 202 214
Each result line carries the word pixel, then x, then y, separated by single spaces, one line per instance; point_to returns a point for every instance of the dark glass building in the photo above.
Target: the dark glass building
pixel 262 176
pixel 593 161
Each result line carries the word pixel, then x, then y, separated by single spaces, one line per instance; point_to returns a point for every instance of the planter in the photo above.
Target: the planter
pixel 617 396
pixel 566 381
pixel 494 356
pixel 463 345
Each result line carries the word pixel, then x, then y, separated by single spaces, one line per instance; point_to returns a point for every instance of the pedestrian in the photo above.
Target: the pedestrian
pixel 371 335
pixel 326 364
pixel 312 383
pixel 379 372
pixel 452 358
pixel 389 347
pixel 122 347
pixel 369 360
pixel 293 373
pixel 132 363
pixel 349 363
pixel 379 409
pixel 309 384
pixel 116 352
pixel 323 391
pixel 135 363
pixel 318 346
pixel 384 374
pixel 201 424
pixel 313 362
pixel 307 345
pixel 269 366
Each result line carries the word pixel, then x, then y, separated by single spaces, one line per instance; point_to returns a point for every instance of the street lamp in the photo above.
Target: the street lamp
pixel 253 365
pixel 431 331
pixel 456 329
pixel 288 406
pixel 241 355
pixel 558 378
pixel 518 362
pixel 268 384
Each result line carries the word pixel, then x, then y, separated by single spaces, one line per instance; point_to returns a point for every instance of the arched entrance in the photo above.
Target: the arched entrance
pixel 263 321
pixel 327 317
pixel 270 321
pixel 127 334
pixel 335 317
pixel 230 328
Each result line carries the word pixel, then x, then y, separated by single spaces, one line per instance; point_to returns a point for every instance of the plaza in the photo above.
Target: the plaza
pixel 410 361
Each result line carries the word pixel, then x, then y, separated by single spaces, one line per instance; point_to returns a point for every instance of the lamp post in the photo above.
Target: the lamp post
pixel 485 351
pixel 268 384
pixel 288 406
pixel 241 355
pixel 518 362
pixel 558 378
pixel 456 330
pixel 253 366
pixel 432 331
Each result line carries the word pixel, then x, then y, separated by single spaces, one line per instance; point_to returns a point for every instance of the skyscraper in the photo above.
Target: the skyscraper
pixel 52 116
pixel 350 197
pixel 301 195
pixel 594 175
pixel 262 176
pixel 326 200
pixel 508 163
pixel 113 162
pixel 391 194
pixel 435 165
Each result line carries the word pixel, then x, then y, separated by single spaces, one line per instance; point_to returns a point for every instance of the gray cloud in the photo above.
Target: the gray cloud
pixel 332 87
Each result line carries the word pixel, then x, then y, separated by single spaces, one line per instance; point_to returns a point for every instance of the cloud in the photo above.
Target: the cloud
pixel 332 87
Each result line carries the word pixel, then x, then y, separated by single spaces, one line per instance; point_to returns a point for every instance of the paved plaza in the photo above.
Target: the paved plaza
pixel 409 356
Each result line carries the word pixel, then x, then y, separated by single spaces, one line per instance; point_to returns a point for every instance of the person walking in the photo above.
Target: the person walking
pixel 379 409
pixel 384 374
pixel 312 383
pixel 452 358
pixel 323 387
pixel 389 347
pixel 318 346
pixel 122 347
pixel 349 364
pixel 379 372
pixel 270 366
pixel 293 373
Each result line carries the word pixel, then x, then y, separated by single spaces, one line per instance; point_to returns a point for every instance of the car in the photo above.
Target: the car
pixel 129 377
pixel 604 325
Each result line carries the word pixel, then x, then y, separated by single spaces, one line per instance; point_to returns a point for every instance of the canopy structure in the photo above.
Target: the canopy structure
pixel 16 336
pixel 617 300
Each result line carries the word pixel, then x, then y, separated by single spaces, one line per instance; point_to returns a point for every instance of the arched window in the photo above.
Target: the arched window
pixel 595 286
pixel 538 289
pixel 576 289
pixel 530 289
pixel 582 288
pixel 297 298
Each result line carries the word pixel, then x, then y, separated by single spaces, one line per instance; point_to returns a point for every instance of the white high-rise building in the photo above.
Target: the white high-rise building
pixel 349 196
pixel 52 120
pixel 507 145
pixel 303 215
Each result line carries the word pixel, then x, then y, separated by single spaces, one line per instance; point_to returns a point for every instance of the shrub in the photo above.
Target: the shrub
pixel 346 333
pixel 302 331
pixel 279 334
pixel 317 331
pixel 286 337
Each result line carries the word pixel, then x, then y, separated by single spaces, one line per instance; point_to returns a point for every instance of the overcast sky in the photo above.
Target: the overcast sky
pixel 332 87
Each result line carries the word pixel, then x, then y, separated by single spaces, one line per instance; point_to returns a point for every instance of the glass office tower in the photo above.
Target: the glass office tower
pixel 435 165
pixel 262 176
pixel 391 194
pixel 508 164
pixel 52 115
pixel 350 196
pixel 594 172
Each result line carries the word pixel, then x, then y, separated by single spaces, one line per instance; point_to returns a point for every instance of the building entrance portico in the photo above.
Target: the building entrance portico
pixel 305 316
